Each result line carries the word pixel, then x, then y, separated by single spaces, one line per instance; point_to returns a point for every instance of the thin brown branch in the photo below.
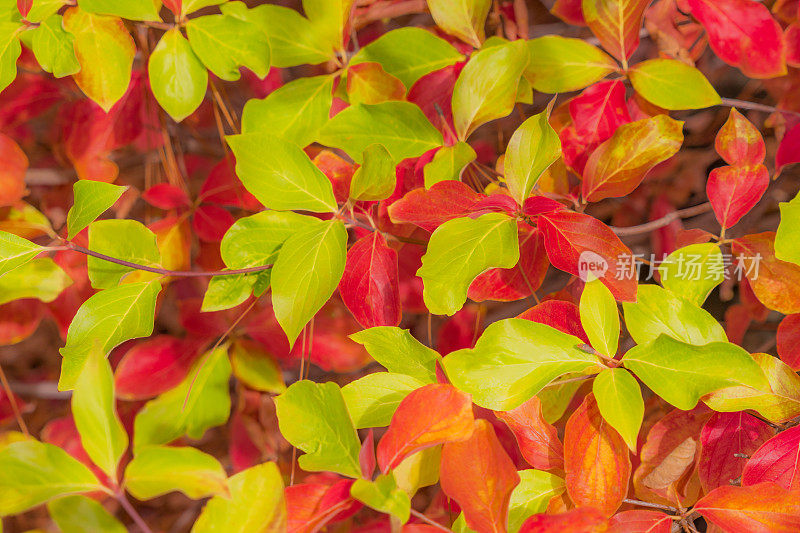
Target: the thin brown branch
pixel 744 104
pixel 13 401
pixel 666 220
pixel 665 508
pixel 164 272
pixel 137 518
pixel 386 10
pixel 430 522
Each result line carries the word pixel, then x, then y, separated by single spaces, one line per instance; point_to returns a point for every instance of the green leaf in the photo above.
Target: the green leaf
pixel 787 246
pixel 81 514
pixel 461 249
pixel 658 311
pixel 619 399
pixel 92 199
pixel 158 470
pixel 129 9
pixel 256 240
pixel 295 112
pixel 560 64
pixel 681 373
pixel 383 496
pixel 401 127
pixel 600 317
pixel 109 317
pixel 313 417
pixel 177 77
pixel 373 399
pixel 226 292
pixel 532 149
pixel 532 495
pixel 256 368
pixel 693 271
pixel 409 53
pixel 557 396
pixel 329 18
pixel 513 360
pixel 256 504
pixel 486 89
pixel 125 239
pixel 190 6
pixel 448 163
pixel 95 413
pixel 10 49
pixel 280 175
pixel 308 270
pixel 42 279
pixel 224 43
pixel 672 84
pixel 293 39
pixel 105 52
pixel 42 9
pixel 54 49
pixel 15 252
pixel 199 402
pixel 420 469
pixel 32 472
pixel 463 18
pixel 398 351
pixel 375 179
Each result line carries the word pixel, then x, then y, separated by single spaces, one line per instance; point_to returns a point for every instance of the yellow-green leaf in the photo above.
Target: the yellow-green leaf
pixel 532 149
pixel 693 271
pixel 600 317
pixel 448 163
pixel 157 470
pixel 560 64
pixel 463 18
pixel 91 199
pixel 177 77
pixel 672 84
pixel 619 399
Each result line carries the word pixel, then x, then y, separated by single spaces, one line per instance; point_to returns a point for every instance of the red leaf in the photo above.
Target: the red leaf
pixel 564 316
pixel 538 441
pixel 431 415
pixel 24 7
pixel 369 286
pixel 174 5
pixel 154 366
pixel 743 34
pixel 166 196
pixel 537 205
pixel 428 208
pixel 224 188
pixel 580 520
pixel 366 457
pixel 459 331
pixel 739 142
pixel 776 283
pixel 789 149
pixel 7 408
pixel 568 235
pixel 19 320
pixel 599 110
pixel 724 439
pixel 310 506
pixel 596 460
pixel 666 473
pixel 776 461
pixel 509 284
pixel 762 508
pixel 242 449
pixel 210 222
pixel 792 37
pixel 735 190
pixel 640 522
pixel 478 474
pixel 433 93
pixel 338 171
pixel 569 11
pixel 788 339
pixel 12 171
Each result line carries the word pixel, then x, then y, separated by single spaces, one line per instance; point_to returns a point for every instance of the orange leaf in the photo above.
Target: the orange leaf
pixel 580 520
pixel 478 474
pixel 761 508
pixel 12 171
pixel 431 415
pixel 739 142
pixel 776 283
pixel 596 460
pixel 666 474
pixel 640 522
pixel 538 441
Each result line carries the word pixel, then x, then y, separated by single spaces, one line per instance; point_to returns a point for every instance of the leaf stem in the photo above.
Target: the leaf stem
pixel 164 272
pixel 137 518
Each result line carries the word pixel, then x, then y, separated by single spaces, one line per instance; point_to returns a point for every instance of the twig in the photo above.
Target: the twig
pixel 164 272
pixel 427 520
pixel 744 104
pixel 640 503
pixel 13 402
pixel 137 518
pixel 666 220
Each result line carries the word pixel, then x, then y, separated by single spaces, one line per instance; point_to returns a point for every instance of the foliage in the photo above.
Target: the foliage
pixel 305 271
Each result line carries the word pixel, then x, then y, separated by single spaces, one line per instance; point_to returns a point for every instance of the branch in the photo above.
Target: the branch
pixel 640 503
pixel 666 220
pixel 137 518
pixel 163 271
pixel 744 104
